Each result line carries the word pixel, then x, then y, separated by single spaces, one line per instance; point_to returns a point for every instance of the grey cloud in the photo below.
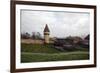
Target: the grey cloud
pixel 61 24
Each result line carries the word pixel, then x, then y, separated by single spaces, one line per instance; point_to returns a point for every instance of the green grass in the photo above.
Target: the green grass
pixel 42 53
pixel 42 57
pixel 38 48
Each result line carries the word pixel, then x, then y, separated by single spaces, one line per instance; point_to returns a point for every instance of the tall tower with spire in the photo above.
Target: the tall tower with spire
pixel 46 34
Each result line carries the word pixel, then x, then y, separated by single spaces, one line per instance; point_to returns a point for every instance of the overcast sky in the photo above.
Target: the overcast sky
pixel 61 24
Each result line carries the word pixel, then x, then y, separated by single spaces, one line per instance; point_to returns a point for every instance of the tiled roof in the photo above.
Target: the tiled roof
pixel 46 29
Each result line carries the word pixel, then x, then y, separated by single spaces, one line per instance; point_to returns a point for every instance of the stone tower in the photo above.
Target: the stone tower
pixel 46 34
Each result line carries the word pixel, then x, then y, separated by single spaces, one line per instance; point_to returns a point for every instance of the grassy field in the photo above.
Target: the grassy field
pixel 38 48
pixel 42 53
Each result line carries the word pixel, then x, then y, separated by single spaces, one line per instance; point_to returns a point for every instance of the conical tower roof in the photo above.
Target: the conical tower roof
pixel 46 29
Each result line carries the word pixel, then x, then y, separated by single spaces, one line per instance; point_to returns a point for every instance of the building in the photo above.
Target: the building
pixel 46 34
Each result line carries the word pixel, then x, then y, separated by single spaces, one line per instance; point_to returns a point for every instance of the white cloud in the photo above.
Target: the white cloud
pixel 61 24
